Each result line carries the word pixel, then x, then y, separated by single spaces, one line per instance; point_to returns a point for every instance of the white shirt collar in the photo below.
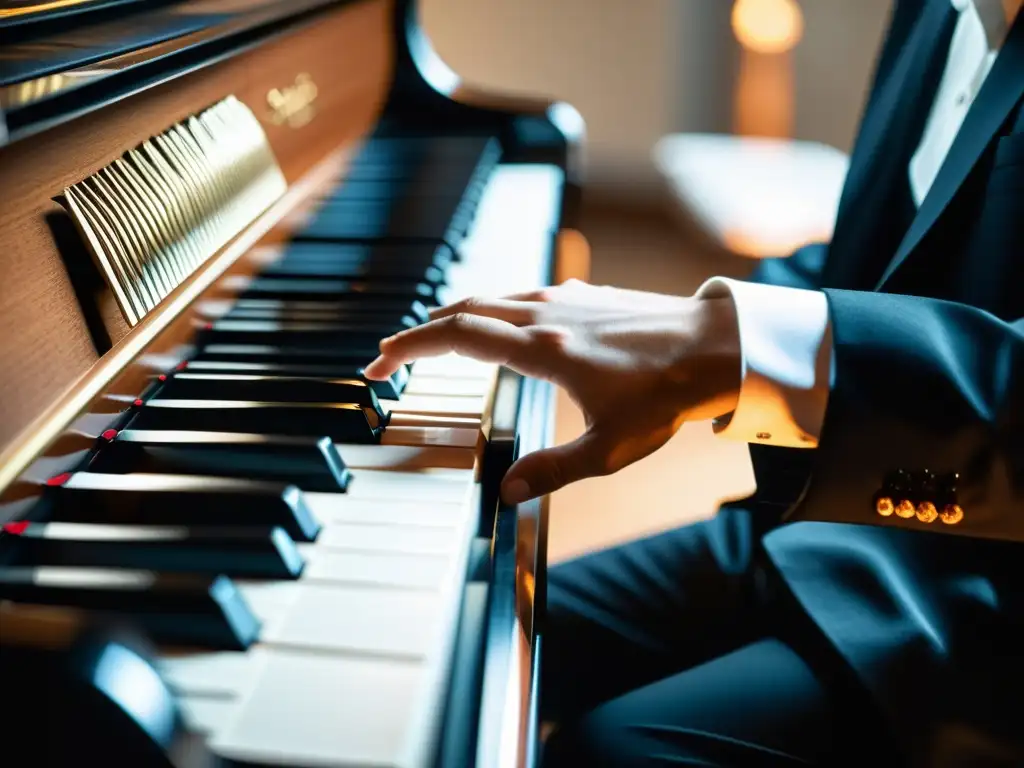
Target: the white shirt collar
pixel 995 17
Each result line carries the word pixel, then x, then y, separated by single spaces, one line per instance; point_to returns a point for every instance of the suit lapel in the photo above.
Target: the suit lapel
pixel 891 128
pixel 1002 90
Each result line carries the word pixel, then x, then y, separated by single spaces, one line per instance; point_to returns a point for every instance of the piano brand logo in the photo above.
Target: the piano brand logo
pixel 294 104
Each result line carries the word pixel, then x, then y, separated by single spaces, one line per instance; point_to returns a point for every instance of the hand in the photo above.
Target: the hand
pixel 638 364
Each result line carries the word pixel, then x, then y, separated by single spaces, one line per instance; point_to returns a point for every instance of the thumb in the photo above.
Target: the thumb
pixel 537 474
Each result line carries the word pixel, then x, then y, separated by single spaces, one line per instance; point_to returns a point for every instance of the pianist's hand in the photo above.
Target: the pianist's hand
pixel 638 364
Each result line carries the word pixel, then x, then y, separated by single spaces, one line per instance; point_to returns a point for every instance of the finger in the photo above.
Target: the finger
pixel 543 472
pixel 481 338
pixel 514 312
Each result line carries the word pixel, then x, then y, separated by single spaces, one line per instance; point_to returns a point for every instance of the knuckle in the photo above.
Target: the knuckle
pixel 551 337
pixel 460 321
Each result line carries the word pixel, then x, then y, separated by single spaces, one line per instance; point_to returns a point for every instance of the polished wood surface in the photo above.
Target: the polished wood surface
pixel 51 362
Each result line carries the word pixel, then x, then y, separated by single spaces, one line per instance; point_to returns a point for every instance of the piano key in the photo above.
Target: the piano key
pixel 206 612
pixel 423 436
pixel 150 499
pixel 330 509
pixel 319 616
pixel 425 485
pixel 213 673
pixel 436 405
pixel 292 389
pixel 287 366
pixel 377 568
pixel 449 387
pixel 399 420
pixel 342 422
pixel 206 716
pixel 403 457
pixel 354 253
pixel 339 309
pixel 430 220
pixel 402 272
pixel 311 463
pixel 329 337
pixel 455 366
pixel 342 710
pixel 241 552
pixel 351 291
pixel 408 539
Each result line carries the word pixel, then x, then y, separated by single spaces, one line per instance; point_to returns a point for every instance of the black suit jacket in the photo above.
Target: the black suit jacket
pixel 927 311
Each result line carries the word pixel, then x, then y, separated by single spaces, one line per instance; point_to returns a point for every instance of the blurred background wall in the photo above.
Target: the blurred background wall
pixel 640 69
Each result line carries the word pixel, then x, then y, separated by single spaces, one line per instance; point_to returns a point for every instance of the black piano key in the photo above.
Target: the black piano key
pixel 331 309
pixel 342 422
pixel 294 269
pixel 290 389
pixel 311 463
pixel 267 363
pixel 290 315
pixel 196 611
pixel 338 223
pixel 336 338
pixel 353 291
pixel 390 189
pixel 425 254
pixel 189 500
pixel 239 552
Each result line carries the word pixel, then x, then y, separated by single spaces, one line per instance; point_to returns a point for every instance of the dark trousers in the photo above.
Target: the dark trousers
pixel 687 649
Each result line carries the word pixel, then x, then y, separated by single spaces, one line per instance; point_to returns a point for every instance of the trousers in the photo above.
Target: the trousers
pixel 686 648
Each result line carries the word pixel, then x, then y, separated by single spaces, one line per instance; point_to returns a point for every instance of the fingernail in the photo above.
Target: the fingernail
pixel 515 492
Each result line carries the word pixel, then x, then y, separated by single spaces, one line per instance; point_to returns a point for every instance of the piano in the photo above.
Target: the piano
pixel 220 545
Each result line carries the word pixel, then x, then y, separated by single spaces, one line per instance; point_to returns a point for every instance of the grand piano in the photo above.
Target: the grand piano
pixel 221 544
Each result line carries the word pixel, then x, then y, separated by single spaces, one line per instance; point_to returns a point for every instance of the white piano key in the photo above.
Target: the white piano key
pixel 405 457
pixel 318 710
pixel 425 572
pixel 331 508
pixel 452 365
pixel 226 673
pixel 453 437
pixel 449 387
pixel 425 485
pixel 349 619
pixel 207 716
pixel 437 405
pixel 399 420
pixel 389 539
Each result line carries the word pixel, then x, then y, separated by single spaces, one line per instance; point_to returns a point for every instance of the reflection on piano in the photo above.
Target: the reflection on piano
pixel 222 545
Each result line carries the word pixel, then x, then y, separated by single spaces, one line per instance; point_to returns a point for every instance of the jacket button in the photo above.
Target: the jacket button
pixel 884 506
pixel 926 512
pixel 905 509
pixel 952 514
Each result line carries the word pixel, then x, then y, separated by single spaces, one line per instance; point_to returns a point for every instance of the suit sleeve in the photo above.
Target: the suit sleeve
pixel 924 427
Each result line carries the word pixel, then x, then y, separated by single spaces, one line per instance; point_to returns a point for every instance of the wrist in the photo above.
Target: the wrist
pixel 716 358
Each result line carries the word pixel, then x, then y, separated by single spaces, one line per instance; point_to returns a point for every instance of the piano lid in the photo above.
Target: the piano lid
pixel 64 58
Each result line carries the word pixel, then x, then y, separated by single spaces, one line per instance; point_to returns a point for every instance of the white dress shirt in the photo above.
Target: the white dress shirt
pixel 785 333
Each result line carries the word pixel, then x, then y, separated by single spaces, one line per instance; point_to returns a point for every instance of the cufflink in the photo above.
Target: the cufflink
pixel 905 509
pixel 952 514
pixel 926 512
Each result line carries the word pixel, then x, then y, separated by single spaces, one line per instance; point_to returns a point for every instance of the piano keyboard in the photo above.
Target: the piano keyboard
pixel 293 537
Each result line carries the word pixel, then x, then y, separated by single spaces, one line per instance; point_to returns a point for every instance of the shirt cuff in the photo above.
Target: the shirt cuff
pixel 787 366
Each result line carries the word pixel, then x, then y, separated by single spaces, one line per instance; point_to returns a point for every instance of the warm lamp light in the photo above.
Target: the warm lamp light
pixel 767 26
